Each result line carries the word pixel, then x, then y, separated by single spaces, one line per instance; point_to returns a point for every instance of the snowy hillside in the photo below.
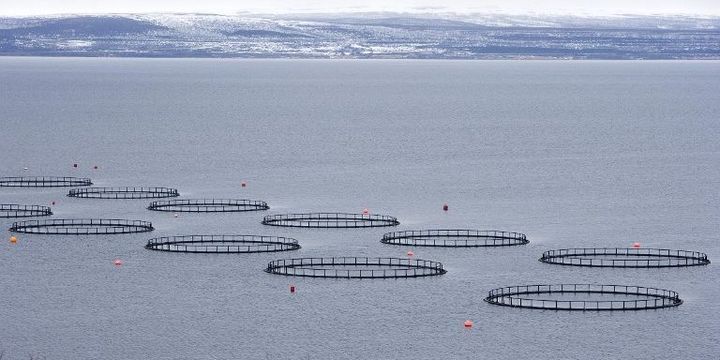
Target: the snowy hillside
pixel 379 35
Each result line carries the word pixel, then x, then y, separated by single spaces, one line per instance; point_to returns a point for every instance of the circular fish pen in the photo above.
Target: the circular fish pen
pixel 222 244
pixel 624 257
pixel 17 210
pixel 81 226
pixel 43 181
pixel 123 192
pixel 639 298
pixel 355 268
pixel 455 238
pixel 330 220
pixel 208 205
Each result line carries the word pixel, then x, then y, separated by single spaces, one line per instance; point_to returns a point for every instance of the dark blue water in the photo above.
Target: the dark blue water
pixel 570 153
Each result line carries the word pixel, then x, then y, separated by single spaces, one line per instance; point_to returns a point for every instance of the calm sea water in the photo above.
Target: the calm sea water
pixel 570 153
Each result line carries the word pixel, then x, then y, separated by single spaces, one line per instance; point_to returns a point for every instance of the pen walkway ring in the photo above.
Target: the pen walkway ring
pixel 43 181
pixel 454 238
pixel 222 244
pixel 521 297
pixel 330 220
pixel 123 192
pixel 624 257
pixel 355 267
pixel 208 205
pixel 17 210
pixel 81 226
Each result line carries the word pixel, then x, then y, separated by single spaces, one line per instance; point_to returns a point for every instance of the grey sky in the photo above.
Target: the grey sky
pixel 585 7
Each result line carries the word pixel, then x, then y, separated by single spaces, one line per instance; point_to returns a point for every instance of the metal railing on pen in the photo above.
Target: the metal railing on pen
pixel 515 296
pixel 330 220
pixel 454 238
pixel 222 244
pixel 17 210
pixel 43 181
pixel 81 226
pixel 624 257
pixel 123 192
pixel 208 205
pixel 355 267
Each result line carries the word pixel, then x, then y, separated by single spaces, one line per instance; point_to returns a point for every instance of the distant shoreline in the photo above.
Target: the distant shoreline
pixel 230 58
pixel 400 36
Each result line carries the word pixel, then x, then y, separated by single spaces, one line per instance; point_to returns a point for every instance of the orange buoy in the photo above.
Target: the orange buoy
pixel 243 184
pixel 445 207
pixel 117 262
pixel 410 253
pixel 636 245
pixel 366 211
pixel 468 324
pixel 13 240
pixel 292 289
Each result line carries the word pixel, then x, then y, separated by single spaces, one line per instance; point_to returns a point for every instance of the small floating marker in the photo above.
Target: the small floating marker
pixel 243 184
pixel 26 169
pixel 410 253
pixel 366 211
pixel 95 167
pixel 445 207
pixel 636 245
pixel 52 203
pixel 175 215
pixel 292 289
pixel 75 165
pixel 13 240
pixel 117 262
pixel 468 324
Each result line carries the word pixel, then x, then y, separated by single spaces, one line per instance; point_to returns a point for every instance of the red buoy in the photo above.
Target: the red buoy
pixel 468 324
pixel 366 211
pixel 292 289
pixel 410 253
pixel 636 245
pixel 243 184
pixel 445 207
pixel 117 262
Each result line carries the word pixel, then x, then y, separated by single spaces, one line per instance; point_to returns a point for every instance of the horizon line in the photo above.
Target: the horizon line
pixel 547 14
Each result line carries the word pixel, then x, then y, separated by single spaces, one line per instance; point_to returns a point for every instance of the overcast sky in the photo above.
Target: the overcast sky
pixel 587 7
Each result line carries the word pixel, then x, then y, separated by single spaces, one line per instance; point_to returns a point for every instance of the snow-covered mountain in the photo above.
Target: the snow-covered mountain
pixel 372 35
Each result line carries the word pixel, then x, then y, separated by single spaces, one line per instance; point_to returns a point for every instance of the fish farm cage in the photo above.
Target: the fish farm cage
pixel 81 226
pixel 624 257
pixel 222 244
pixel 208 205
pixel 648 298
pixel 43 181
pixel 123 192
pixel 455 238
pixel 330 220
pixel 355 268
pixel 17 210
